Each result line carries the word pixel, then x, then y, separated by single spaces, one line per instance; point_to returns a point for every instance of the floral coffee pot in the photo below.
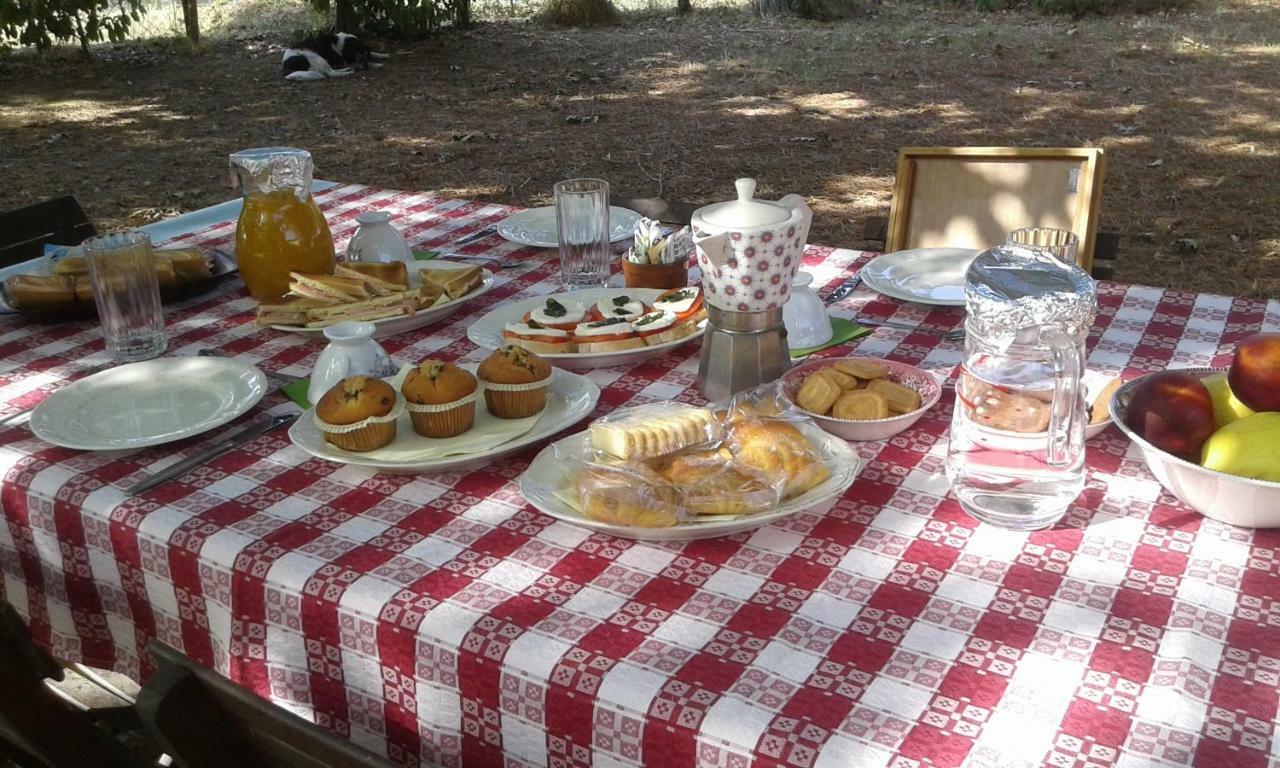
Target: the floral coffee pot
pixel 749 250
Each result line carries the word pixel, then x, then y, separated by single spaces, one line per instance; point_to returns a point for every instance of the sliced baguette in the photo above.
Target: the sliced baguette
pixel 542 347
pixel 677 331
pixel 615 345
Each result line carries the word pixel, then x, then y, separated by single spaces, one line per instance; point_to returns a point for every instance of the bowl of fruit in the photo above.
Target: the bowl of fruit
pixel 1212 437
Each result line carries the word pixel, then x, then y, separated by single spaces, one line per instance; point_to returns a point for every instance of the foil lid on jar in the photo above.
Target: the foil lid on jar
pixel 267 169
pixel 1014 294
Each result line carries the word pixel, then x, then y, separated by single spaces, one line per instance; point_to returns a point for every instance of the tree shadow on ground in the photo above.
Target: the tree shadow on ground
pixel 1185 106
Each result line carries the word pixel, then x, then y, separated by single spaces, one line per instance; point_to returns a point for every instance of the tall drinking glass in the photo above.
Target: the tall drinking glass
pixel 1062 243
pixel 582 228
pixel 127 292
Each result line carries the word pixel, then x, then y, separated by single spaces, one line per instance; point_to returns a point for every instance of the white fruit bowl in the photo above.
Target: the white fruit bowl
pixel 1230 499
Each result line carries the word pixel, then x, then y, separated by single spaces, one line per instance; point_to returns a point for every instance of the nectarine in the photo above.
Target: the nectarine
pixel 1255 372
pixel 1174 412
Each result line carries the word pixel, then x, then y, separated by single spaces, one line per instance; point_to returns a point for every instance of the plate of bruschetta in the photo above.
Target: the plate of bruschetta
pixel 596 328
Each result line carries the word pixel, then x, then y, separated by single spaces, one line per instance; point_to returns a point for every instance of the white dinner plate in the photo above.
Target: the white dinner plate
pixel 932 276
pixel 487 331
pixel 549 473
pixel 390 326
pixel 537 226
pixel 148 403
pixel 570 398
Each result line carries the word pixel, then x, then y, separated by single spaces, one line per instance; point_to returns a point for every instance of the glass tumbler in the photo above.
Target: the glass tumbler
pixel 1062 243
pixel 126 290
pixel 582 229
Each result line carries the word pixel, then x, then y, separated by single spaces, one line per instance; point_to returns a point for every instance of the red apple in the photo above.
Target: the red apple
pixel 1174 412
pixel 1255 372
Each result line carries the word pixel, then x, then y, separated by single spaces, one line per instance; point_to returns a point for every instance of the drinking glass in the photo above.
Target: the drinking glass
pixel 126 289
pixel 582 229
pixel 1062 243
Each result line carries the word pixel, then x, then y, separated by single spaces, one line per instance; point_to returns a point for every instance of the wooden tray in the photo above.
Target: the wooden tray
pixel 972 197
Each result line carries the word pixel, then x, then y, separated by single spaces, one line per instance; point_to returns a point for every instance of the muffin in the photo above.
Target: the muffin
pixel 515 382
pixel 441 399
pixel 358 414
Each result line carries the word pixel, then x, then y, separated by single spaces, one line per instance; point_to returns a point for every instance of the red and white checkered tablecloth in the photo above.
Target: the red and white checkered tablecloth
pixel 440 619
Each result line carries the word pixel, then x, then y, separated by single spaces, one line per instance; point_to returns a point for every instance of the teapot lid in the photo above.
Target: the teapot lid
pixel 746 211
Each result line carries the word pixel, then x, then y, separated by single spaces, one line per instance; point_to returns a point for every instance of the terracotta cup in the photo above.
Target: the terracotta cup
pixel 674 275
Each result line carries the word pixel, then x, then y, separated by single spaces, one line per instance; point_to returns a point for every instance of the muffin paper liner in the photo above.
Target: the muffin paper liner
pixel 342 429
pixel 516 387
pixel 460 417
pixel 441 407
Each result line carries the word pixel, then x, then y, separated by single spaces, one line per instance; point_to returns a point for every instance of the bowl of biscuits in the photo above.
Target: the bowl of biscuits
pixel 861 398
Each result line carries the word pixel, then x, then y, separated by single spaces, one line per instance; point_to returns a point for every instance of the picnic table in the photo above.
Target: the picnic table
pixel 439 619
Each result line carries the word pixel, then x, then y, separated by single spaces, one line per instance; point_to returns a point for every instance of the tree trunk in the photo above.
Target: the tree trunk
pixel 683 6
pixel 191 19
pixel 346 16
pixel 462 14
pixel 83 34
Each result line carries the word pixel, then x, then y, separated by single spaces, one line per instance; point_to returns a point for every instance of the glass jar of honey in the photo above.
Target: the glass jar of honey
pixel 281 229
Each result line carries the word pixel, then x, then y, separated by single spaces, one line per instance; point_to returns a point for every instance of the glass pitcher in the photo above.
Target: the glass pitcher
pixel 1016 456
pixel 281 229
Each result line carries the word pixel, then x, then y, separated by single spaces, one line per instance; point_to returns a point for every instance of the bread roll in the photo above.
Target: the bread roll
pixel 34 292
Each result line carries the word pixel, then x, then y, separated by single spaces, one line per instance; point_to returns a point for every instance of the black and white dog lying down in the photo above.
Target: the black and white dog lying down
pixel 328 56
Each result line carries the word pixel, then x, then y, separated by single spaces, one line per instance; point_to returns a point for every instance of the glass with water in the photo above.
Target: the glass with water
pixel 582 228
pixel 1016 456
pixel 126 290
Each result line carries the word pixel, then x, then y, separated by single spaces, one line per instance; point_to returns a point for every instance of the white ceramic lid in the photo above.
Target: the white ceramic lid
pixel 744 212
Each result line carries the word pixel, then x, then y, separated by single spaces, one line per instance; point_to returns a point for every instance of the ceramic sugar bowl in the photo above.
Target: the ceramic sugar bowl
pixel 749 249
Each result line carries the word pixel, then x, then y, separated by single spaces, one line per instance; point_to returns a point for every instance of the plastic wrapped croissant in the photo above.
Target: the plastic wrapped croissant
pixel 762 431
pixel 662 464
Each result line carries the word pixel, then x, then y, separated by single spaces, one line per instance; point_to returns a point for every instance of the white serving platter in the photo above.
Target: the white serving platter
pixel 148 403
pixel 570 398
pixel 487 331
pixel 549 474
pixel 537 226
pixel 390 326
pixel 933 276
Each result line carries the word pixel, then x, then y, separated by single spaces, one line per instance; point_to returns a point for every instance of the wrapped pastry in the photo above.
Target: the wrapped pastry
pixel 777 448
pixel 712 483
pixel 653 429
pixel 627 495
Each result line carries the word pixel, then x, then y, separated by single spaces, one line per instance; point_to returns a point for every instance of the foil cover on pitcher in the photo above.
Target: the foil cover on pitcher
pixel 1012 293
pixel 267 169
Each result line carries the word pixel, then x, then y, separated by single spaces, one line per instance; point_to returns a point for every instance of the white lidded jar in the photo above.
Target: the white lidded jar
pixel 377 240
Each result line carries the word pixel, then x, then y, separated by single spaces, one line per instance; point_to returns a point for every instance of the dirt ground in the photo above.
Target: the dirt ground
pixel 1187 107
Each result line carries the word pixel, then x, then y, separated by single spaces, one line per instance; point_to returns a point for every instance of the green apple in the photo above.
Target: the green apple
pixel 1248 446
pixel 1226 406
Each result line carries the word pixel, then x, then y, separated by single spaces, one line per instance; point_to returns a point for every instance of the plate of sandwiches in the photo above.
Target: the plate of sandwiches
pixel 65 291
pixel 386 294
pixel 596 328
pixel 444 417
pixel 671 471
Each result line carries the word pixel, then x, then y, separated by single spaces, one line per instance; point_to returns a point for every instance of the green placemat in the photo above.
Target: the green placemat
pixel 297 392
pixel 841 331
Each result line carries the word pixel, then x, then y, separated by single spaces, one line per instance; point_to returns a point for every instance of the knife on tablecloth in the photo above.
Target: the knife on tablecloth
pixel 212 452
